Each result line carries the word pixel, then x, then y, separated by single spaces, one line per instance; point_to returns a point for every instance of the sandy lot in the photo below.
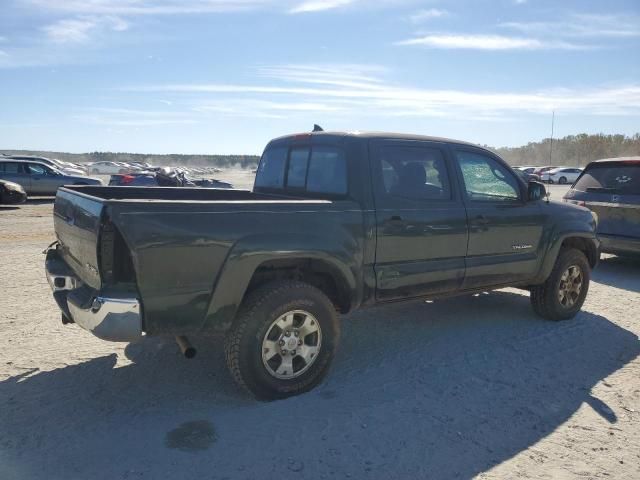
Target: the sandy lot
pixel 468 387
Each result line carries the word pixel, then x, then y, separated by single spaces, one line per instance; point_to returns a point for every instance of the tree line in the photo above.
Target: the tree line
pixel 572 150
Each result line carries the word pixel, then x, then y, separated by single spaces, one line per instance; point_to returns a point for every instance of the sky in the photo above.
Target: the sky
pixel 226 76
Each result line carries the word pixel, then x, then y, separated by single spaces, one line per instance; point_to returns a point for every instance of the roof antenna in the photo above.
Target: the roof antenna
pixel 317 128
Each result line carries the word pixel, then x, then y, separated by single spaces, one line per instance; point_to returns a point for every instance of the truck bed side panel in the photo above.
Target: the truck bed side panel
pixel 180 249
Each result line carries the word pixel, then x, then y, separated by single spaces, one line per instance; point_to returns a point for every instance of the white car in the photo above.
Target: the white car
pixel 561 175
pixel 109 168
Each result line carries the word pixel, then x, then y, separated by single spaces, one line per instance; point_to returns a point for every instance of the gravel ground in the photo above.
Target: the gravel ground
pixel 468 387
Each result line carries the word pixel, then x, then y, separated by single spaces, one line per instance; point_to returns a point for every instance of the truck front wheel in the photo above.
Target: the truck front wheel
pixel 561 296
pixel 283 340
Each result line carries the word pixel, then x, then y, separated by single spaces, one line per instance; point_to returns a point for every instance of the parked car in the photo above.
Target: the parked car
pixel 561 175
pixel 38 178
pixel 528 172
pixel 335 222
pixel 11 193
pixel 65 167
pixel 540 170
pixel 109 168
pixel 611 189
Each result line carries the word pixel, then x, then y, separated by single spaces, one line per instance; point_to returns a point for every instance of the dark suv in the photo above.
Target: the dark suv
pixel 611 189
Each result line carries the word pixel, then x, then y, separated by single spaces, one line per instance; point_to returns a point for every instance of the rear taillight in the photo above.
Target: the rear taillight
pixel 127 179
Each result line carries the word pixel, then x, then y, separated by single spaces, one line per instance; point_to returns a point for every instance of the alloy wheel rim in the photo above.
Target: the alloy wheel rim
pixel 291 344
pixel 570 286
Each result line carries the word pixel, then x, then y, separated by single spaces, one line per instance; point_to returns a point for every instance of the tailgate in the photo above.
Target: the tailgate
pixel 77 220
pixel 617 214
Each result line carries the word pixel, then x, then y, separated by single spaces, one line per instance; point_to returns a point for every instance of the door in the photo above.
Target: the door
pixel 15 172
pixel 44 181
pixel 504 229
pixel 421 225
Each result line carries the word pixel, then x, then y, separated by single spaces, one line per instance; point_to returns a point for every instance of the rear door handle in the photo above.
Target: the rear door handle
pixel 396 218
pixel 481 220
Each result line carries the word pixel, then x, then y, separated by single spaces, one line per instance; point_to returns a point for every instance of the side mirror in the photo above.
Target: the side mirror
pixel 536 191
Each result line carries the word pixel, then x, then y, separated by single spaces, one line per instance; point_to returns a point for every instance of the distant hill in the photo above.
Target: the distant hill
pixel 221 161
pixel 573 150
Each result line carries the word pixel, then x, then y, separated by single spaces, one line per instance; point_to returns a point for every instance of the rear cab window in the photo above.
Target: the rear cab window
pixel 310 170
pixel 611 177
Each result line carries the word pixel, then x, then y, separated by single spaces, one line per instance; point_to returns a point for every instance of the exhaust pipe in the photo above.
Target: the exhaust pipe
pixel 186 348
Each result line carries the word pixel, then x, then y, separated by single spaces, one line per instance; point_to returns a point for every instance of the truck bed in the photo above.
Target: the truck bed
pixel 187 253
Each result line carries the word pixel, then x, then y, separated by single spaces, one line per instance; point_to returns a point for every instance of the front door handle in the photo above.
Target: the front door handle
pixel 396 218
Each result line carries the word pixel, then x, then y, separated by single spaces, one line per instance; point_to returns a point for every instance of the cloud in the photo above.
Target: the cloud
pixel 486 42
pixel 382 98
pixel 423 15
pixel 77 30
pixel 582 25
pixel 146 7
pixel 320 5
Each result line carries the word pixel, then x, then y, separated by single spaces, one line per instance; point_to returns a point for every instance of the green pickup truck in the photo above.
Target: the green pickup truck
pixel 335 222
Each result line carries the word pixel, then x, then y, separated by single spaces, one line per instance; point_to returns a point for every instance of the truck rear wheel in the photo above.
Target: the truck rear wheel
pixel 562 295
pixel 283 340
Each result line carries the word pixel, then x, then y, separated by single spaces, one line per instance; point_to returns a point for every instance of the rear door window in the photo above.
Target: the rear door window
pixel 417 173
pixel 11 167
pixel 614 178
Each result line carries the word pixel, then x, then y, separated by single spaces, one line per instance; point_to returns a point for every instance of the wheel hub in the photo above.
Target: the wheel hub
pixel 570 286
pixel 291 344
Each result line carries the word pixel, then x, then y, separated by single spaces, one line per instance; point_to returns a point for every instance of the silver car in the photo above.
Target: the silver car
pixel 38 178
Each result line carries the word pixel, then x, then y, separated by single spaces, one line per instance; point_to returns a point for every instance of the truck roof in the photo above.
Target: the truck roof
pixel 375 135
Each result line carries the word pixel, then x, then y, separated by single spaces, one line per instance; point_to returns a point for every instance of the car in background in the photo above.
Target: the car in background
pixel 11 193
pixel 65 167
pixel 561 175
pixel 540 170
pixel 164 177
pixel 38 178
pixel 611 189
pixel 528 173
pixel 109 168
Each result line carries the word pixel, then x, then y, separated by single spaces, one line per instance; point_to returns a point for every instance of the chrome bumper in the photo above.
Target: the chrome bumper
pixel 109 317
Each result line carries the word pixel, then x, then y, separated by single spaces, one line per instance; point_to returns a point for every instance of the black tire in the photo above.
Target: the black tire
pixel 244 342
pixel 545 298
pixel 562 180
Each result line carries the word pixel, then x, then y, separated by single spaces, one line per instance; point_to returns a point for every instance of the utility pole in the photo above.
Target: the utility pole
pixel 553 118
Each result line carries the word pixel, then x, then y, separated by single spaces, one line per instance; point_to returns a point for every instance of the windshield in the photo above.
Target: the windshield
pixel 613 177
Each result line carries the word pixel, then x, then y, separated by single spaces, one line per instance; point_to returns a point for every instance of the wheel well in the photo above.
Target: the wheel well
pixel 320 274
pixel 585 246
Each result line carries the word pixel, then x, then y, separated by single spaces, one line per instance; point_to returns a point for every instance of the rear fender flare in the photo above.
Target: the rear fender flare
pixel 248 254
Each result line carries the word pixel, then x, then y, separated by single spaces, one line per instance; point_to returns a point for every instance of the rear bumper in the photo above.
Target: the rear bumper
pixel 616 244
pixel 109 316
